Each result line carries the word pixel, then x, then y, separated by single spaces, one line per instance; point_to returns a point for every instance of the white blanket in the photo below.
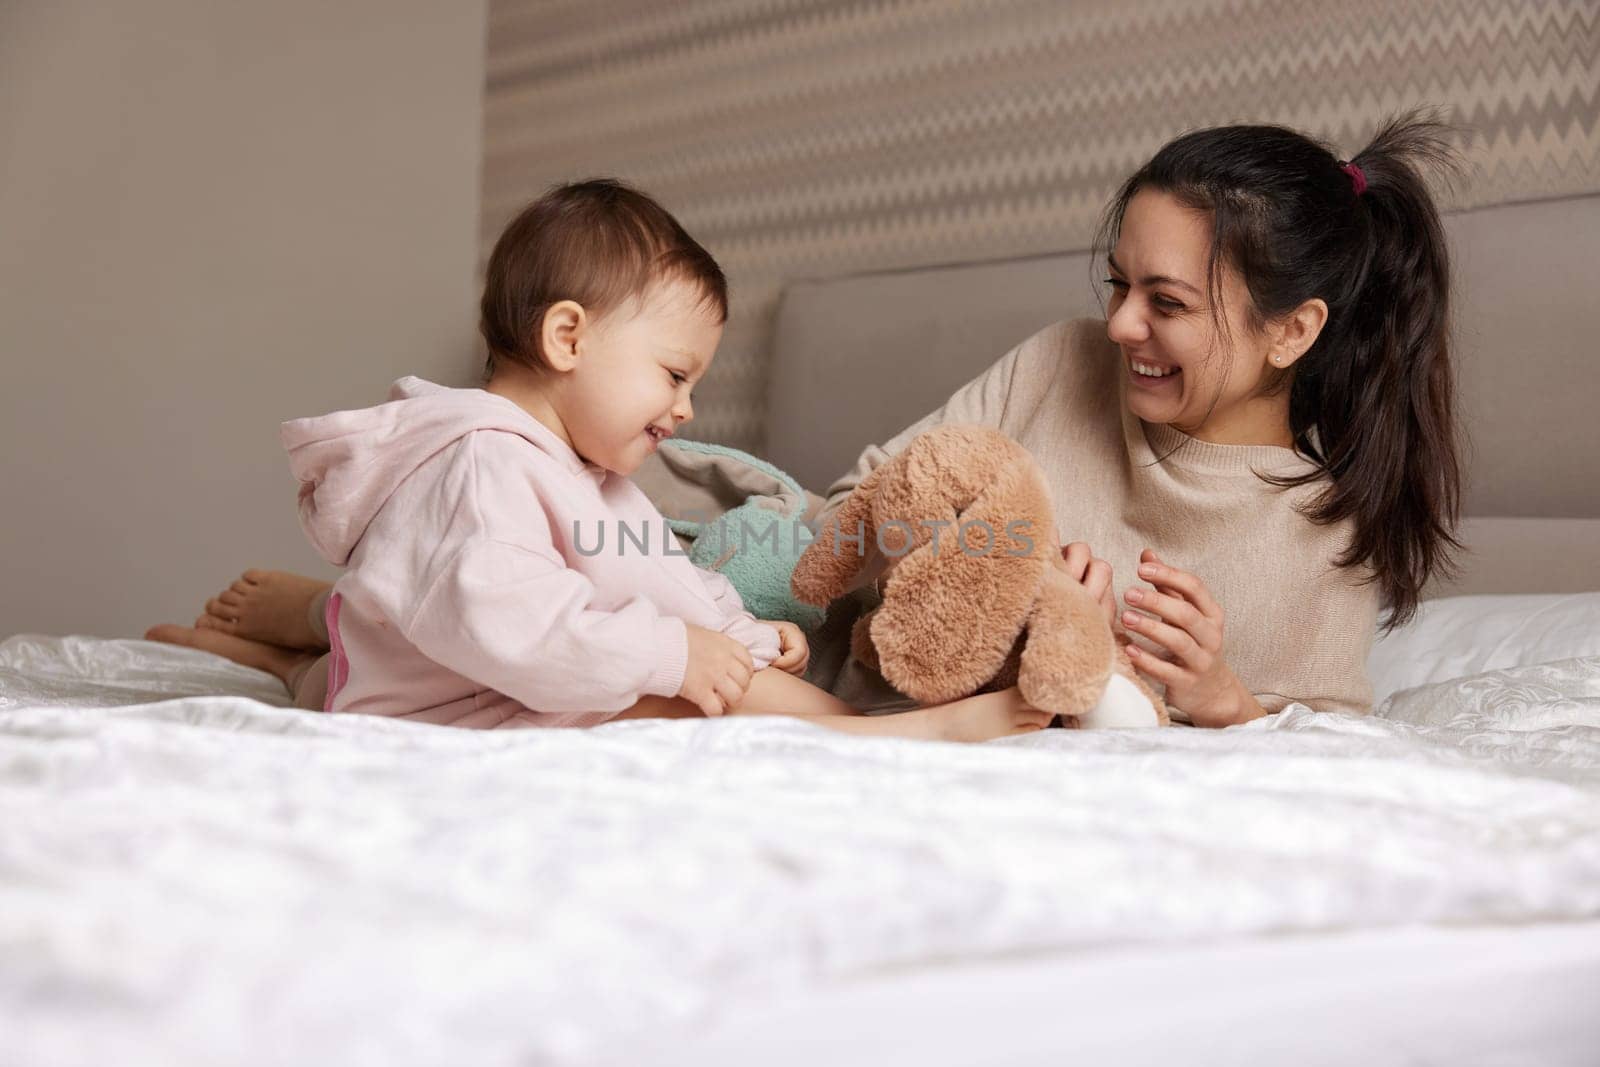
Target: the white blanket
pixel 214 879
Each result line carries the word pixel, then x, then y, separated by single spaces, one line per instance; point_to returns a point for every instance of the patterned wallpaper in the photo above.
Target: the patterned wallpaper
pixel 811 138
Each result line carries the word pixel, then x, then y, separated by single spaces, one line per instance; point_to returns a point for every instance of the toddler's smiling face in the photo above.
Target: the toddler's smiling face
pixel 629 388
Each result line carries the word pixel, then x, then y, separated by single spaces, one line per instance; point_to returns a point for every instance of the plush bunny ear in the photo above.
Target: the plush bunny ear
pixel 829 564
pixel 954 607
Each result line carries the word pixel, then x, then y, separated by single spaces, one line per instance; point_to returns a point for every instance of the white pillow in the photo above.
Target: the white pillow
pixel 1456 636
pixel 1565 692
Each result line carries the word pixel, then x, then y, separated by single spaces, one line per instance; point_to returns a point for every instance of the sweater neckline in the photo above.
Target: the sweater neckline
pixel 1162 440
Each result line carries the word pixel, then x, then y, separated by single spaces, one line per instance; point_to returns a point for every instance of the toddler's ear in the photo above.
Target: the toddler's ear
pixel 563 327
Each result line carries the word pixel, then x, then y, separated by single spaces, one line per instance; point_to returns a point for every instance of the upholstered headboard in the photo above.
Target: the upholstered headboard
pixel 856 359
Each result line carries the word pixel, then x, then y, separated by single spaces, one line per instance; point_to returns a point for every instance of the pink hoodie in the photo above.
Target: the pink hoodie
pixel 466 599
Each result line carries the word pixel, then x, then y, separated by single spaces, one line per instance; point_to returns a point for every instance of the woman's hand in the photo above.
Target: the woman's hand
pixel 1094 574
pixel 794 653
pixel 1186 622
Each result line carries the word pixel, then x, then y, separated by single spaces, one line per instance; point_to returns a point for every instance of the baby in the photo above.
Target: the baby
pixel 501 570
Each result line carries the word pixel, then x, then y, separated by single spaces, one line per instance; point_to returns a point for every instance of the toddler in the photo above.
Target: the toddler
pixel 501 570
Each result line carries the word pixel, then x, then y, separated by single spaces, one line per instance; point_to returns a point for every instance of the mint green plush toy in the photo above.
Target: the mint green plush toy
pixel 755 543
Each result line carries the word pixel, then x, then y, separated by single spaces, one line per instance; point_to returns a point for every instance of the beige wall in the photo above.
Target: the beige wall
pixel 799 141
pixel 213 217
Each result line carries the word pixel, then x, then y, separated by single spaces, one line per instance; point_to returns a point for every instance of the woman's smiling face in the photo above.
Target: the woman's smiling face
pixel 1204 384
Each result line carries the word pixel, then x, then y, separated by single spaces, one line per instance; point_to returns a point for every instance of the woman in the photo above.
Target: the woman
pixel 1262 428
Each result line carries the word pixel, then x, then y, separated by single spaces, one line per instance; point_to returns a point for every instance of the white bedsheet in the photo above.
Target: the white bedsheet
pixel 1421 996
pixel 214 879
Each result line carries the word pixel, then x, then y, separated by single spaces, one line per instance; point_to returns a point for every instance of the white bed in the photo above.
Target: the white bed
pixel 187 878
pixel 202 879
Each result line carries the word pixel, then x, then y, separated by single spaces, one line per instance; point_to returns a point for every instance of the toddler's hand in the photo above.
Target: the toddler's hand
pixel 718 671
pixel 794 653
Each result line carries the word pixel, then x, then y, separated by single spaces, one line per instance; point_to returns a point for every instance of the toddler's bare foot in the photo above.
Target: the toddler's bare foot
pixel 288 664
pixel 268 606
pixel 985 717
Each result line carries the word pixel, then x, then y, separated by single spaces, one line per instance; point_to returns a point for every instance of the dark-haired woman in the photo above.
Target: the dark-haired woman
pixel 1262 428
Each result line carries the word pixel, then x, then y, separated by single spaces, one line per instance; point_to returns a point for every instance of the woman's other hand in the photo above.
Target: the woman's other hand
pixel 1186 621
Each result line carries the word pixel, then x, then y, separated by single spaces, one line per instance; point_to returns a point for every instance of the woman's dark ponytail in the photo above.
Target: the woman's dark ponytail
pixel 1372 401
pixel 1382 397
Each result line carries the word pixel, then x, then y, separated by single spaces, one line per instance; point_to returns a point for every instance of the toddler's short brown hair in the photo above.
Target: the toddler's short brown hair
pixel 597 242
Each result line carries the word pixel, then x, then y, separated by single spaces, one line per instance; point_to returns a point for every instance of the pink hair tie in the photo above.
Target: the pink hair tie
pixel 1358 180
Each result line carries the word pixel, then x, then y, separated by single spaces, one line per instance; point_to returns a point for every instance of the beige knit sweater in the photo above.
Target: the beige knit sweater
pixel 1296 627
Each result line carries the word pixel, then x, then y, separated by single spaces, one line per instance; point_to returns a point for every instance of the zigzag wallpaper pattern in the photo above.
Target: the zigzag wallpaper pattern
pixel 813 138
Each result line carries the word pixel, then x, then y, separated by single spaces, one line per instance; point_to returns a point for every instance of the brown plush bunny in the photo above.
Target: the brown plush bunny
pixel 976 596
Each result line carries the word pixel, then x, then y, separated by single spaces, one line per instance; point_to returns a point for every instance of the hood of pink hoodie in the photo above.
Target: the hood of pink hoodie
pixel 350 462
